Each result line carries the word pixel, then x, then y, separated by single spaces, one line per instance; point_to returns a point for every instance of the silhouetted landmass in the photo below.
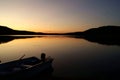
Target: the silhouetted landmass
pixel 100 31
pixel 75 33
pixel 103 31
pixel 8 31
pixel 108 35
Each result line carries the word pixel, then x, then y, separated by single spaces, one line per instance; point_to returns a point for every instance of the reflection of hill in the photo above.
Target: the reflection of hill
pixel 105 40
pixel 101 40
pixel 5 39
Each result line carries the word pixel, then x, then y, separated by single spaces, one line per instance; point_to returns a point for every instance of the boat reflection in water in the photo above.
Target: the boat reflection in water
pixel 26 68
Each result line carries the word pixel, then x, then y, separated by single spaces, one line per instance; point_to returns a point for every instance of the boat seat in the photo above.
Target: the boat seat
pixel 31 61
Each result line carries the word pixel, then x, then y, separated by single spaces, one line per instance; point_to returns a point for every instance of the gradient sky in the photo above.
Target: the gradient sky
pixel 58 15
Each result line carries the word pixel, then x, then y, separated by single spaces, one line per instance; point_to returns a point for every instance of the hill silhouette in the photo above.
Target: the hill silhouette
pixel 103 31
pixel 107 35
pixel 100 31
pixel 4 30
pixel 8 31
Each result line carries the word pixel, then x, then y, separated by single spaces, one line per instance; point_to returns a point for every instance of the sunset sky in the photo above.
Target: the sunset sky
pixel 58 15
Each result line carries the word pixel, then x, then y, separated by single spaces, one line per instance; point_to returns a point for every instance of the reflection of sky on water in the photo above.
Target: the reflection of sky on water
pixel 72 57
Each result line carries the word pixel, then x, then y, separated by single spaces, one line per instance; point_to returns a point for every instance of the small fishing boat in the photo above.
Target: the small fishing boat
pixel 24 68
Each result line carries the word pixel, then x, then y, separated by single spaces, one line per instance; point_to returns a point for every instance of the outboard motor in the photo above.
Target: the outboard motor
pixel 43 56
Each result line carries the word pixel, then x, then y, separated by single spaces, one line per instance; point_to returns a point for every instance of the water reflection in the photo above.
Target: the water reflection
pixel 74 56
pixel 5 39
pixel 103 40
pixel 100 40
pixel 46 75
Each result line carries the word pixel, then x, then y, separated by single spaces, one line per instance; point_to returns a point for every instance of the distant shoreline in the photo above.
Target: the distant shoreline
pixel 104 31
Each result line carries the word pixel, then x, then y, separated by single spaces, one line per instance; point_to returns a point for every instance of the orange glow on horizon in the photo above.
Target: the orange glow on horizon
pixel 42 29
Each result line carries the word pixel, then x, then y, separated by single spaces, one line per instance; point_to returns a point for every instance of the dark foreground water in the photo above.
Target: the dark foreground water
pixel 74 58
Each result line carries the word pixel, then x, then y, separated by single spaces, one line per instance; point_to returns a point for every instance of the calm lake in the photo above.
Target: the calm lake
pixel 73 57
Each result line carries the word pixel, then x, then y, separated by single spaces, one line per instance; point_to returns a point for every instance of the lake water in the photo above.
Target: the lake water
pixel 73 57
